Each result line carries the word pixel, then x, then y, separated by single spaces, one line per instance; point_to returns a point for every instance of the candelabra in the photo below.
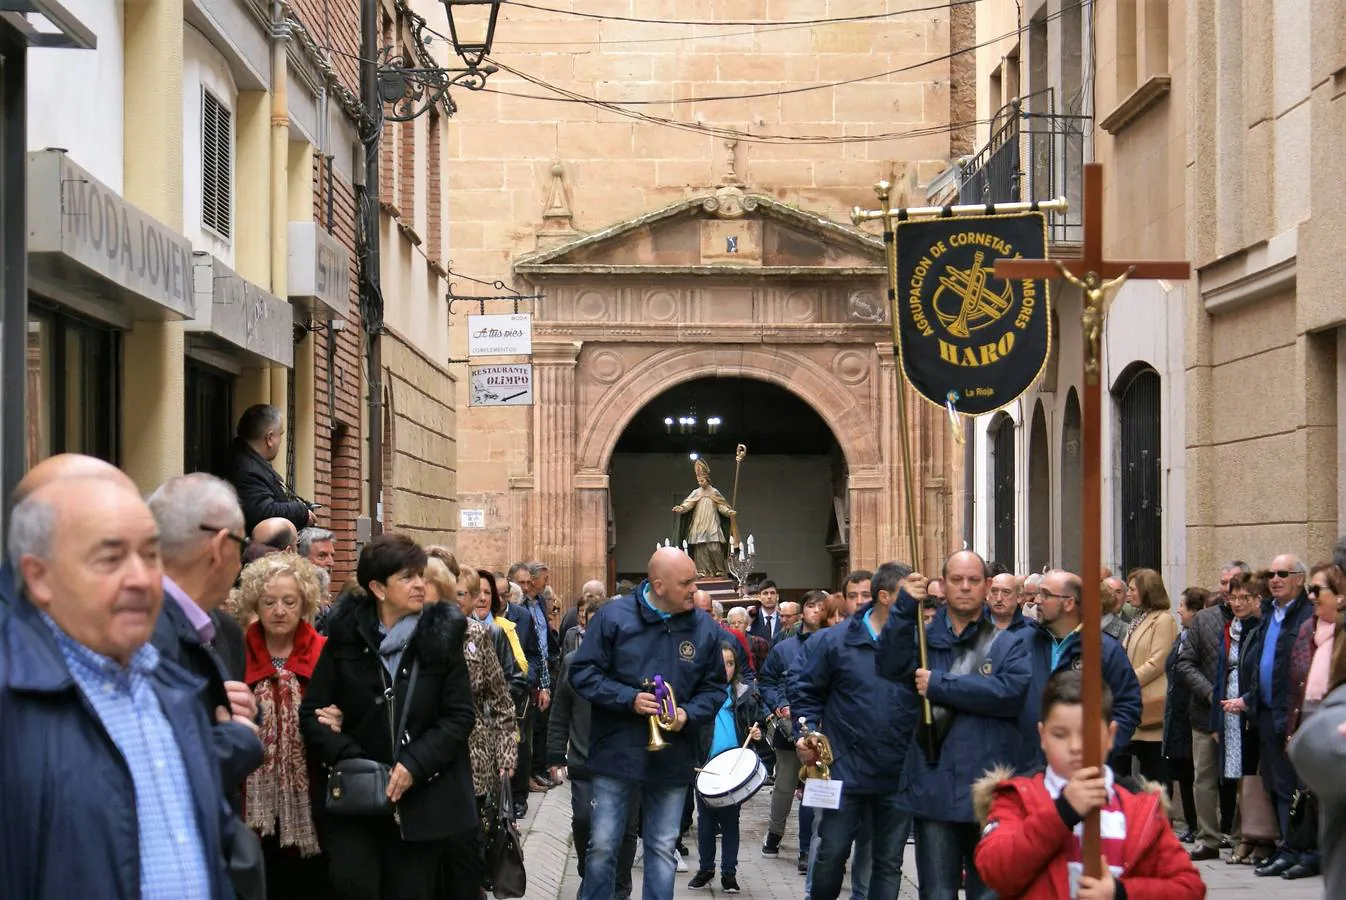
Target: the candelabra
pixel 742 558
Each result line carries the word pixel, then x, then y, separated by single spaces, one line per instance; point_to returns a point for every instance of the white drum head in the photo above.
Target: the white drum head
pixel 731 777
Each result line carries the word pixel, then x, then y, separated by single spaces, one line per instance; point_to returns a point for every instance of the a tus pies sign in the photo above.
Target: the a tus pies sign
pixel 967 337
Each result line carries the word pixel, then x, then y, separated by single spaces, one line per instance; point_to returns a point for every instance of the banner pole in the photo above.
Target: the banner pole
pixel 904 435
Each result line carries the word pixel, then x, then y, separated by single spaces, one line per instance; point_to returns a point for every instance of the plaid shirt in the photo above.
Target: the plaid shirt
pixel 172 858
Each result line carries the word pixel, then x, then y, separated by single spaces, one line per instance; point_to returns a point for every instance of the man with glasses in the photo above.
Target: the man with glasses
pixel 1054 645
pixel 1267 702
pixel 201 544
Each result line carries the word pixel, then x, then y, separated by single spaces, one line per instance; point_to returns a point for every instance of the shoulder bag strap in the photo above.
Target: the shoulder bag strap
pixel 406 706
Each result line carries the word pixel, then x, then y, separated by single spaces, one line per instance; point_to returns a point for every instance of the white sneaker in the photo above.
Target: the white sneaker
pixel 681 863
pixel 640 854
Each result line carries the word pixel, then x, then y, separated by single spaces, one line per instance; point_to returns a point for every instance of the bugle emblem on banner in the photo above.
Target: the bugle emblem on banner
pixel 965 336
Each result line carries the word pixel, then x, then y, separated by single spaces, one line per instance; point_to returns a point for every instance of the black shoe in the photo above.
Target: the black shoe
pixel 1187 837
pixel 771 846
pixel 1226 844
pixel 1277 866
pixel 682 849
pixel 701 879
pixel 729 884
pixel 1204 852
pixel 803 865
pixel 1302 870
pixel 520 809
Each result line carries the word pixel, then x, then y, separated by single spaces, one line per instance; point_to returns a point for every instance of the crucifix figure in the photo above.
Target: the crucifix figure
pixel 1097 279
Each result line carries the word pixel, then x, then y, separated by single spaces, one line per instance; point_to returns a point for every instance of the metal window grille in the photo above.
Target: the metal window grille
pixel 217 171
pixel 1002 492
pixel 1142 524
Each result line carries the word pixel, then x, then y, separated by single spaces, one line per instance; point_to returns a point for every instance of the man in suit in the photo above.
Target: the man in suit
pixel 261 492
pixel 767 624
pixel 201 542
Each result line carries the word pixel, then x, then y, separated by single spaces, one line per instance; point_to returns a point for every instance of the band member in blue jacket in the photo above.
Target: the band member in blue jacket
pixel 868 721
pixel 654 631
pixel 976 680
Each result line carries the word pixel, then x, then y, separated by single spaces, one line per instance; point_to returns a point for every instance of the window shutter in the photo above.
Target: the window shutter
pixel 217 176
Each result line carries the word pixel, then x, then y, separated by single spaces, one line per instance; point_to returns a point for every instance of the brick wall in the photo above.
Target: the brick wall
pixel 337 363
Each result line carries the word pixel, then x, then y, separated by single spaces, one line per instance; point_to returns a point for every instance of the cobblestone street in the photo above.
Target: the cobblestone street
pixel 551 862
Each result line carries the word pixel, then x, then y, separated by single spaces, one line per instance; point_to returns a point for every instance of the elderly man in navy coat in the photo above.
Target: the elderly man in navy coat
pixel 108 779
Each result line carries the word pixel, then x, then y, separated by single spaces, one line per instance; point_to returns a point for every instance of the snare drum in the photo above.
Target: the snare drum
pixel 730 777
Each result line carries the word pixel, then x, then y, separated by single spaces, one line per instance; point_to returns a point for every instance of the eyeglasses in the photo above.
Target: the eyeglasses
pixel 242 540
pixel 1281 573
pixel 1043 594
pixel 1314 589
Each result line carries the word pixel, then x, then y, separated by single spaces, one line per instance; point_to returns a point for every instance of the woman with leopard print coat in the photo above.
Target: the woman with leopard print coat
pixel 492 745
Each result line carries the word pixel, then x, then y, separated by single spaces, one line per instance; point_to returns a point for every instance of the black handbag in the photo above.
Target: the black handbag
pixel 247 865
pixel 504 856
pixel 1303 831
pixel 359 787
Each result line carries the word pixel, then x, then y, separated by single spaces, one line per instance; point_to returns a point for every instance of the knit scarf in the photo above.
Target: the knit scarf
pixel 395 642
pixel 278 791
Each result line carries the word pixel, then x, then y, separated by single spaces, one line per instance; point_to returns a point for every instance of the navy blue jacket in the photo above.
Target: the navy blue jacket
pixel 773 682
pixel 1298 612
pixel 9 588
pixel 539 678
pixel 869 720
pixel 985 705
pixel 1247 666
pixel 1118 674
pixel 238 750
pixel 69 827
pixel 626 644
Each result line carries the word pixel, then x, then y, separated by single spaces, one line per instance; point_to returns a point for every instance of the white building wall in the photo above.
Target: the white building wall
pixel 204 67
pixel 75 96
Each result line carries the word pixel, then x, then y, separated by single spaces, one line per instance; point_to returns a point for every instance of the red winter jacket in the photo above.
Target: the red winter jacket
pixel 1024 855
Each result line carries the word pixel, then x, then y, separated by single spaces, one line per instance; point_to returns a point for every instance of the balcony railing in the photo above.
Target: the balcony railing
pixel 1034 154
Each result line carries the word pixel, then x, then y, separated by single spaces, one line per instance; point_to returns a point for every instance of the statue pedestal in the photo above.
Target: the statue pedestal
pixel 721 589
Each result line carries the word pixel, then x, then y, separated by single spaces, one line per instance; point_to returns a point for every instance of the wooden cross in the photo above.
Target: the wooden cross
pixel 1097 278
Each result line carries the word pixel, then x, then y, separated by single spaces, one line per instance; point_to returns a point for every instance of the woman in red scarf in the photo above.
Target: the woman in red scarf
pixel 282 591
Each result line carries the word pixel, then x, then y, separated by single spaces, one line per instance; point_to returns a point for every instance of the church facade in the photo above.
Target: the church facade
pixel 665 256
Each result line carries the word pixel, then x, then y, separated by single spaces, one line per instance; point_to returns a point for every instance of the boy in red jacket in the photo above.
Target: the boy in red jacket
pixel 1030 843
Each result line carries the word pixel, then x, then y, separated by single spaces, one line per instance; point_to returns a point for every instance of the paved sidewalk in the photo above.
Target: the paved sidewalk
pixel 551 862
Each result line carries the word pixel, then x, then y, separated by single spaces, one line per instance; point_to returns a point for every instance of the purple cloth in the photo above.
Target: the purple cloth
pixel 199 618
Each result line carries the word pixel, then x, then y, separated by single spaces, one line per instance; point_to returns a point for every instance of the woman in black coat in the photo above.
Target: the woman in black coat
pixel 375 639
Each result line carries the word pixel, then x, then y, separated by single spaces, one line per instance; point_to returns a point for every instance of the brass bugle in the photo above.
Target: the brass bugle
pixel 667 716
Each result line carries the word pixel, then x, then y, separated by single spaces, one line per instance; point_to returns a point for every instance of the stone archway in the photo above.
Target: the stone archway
pixel 599 386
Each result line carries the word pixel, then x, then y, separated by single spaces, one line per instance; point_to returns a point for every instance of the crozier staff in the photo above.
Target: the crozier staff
pixel 655 630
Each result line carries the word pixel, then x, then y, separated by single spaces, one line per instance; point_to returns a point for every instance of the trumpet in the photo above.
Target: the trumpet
pixel 820 745
pixel 667 716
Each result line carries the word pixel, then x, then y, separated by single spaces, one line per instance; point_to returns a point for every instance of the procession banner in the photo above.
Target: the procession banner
pixel 968 338
pixel 502 385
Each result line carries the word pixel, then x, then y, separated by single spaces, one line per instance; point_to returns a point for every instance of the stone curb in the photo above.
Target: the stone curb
pixel 546 842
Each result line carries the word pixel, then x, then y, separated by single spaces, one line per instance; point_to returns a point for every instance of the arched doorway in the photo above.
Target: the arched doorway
pixel 792 486
pixel 1072 485
pixel 1137 394
pixel 1039 492
pixel 1002 490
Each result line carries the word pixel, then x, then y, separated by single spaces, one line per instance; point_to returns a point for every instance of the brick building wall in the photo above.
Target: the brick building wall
pixel 338 358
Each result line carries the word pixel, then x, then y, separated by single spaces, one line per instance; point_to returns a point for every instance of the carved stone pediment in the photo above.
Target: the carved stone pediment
pixel 726 232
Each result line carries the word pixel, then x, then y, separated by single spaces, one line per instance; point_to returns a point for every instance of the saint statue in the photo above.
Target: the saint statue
pixel 704 524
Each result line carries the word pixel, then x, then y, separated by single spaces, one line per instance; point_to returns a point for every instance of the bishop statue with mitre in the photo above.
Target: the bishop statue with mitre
pixel 704 524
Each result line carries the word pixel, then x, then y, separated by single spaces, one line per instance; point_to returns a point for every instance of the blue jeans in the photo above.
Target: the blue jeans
pixel 661 814
pixel 581 825
pixel 839 828
pixel 862 857
pixel 805 831
pixel 709 820
pixel 943 854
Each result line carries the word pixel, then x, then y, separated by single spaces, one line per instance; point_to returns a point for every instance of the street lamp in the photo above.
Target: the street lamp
pixel 475 19
pixel 412 90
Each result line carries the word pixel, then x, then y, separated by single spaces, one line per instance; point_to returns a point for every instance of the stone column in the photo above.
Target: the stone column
pixel 591 531
pixel 554 434
pixel 870 523
pixel 154 368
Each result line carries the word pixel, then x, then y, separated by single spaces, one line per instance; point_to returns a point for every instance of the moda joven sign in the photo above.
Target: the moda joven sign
pixel 76 216
pixel 967 337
